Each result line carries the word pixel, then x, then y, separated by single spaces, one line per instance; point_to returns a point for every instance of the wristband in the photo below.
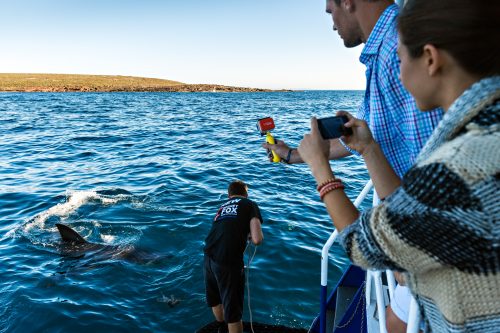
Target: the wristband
pixel 287 159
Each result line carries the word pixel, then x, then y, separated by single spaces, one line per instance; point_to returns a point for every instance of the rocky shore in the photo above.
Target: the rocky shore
pixel 105 83
pixel 176 88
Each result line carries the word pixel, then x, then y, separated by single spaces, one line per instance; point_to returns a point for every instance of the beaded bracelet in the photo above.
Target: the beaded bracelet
pixel 326 182
pixel 330 187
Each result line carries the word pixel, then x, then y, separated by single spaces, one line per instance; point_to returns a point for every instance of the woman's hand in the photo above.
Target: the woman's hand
pixel 385 180
pixel 314 150
pixel 361 138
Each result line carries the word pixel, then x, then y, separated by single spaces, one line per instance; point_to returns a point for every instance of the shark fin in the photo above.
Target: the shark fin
pixel 69 235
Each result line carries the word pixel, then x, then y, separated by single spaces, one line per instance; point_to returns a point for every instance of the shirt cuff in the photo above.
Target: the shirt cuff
pixel 352 151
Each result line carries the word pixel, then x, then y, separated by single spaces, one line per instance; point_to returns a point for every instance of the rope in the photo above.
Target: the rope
pixel 361 301
pixel 250 259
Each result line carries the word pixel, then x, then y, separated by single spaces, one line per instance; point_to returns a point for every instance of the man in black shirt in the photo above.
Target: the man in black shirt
pixel 236 220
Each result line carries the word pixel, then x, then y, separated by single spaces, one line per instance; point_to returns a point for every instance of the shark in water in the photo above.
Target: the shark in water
pixel 76 246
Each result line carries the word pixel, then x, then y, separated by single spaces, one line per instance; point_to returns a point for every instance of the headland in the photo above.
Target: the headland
pixel 25 82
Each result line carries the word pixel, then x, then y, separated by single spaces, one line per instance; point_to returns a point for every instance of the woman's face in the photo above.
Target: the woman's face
pixel 415 78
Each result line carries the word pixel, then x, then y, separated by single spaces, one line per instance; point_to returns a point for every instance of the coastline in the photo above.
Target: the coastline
pixel 13 82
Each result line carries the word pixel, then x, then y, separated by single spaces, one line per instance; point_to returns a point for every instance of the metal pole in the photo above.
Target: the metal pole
pixel 391 283
pixel 380 301
pixel 324 280
pixel 377 280
pixel 413 317
pixel 324 261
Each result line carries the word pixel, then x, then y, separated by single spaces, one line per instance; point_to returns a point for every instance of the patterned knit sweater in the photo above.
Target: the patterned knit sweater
pixel 442 226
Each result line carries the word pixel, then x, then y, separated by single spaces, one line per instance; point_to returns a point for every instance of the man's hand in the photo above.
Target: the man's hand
pixel 361 138
pixel 280 148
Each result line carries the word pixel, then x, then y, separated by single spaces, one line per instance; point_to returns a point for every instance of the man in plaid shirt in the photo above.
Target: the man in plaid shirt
pixel 397 125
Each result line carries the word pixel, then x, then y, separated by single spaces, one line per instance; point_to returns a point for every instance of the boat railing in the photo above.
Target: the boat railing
pixel 373 279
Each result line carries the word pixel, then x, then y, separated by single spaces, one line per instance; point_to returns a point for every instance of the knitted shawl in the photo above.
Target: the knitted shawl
pixel 442 226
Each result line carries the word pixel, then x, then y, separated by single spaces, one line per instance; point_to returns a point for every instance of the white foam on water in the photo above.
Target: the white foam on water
pixel 75 200
pixel 11 233
pixel 108 238
pixel 109 201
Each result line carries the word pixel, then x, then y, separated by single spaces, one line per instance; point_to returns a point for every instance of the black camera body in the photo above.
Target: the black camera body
pixel 333 127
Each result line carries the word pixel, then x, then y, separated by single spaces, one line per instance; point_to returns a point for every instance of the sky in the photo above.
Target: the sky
pixel 275 44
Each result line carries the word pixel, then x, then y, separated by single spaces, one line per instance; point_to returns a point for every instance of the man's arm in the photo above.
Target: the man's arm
pixel 337 151
pixel 256 231
pixel 385 180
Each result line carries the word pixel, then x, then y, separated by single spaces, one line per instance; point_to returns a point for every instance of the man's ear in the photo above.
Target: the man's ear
pixel 433 59
pixel 348 5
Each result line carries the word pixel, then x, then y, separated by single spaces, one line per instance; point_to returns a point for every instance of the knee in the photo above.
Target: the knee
pixel 393 323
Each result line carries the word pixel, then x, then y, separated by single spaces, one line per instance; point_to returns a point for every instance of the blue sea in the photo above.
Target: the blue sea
pixel 145 173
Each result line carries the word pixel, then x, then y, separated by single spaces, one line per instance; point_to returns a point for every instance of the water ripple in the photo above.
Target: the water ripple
pixel 145 173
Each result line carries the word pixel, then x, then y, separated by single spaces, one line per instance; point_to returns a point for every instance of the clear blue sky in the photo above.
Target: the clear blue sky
pixel 255 43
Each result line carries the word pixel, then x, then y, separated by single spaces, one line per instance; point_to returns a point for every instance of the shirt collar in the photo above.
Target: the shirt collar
pixel 378 33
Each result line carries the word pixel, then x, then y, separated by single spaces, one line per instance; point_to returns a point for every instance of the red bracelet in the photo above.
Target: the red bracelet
pixel 330 187
pixel 326 182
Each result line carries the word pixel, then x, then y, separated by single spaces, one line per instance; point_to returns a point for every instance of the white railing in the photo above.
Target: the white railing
pixel 326 248
pixel 372 278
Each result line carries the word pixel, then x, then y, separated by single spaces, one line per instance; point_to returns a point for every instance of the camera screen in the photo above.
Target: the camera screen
pixel 333 127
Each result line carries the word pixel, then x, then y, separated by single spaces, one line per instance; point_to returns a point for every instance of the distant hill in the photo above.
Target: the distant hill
pixel 104 83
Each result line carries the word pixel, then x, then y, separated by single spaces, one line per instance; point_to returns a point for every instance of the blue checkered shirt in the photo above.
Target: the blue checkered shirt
pixel 397 125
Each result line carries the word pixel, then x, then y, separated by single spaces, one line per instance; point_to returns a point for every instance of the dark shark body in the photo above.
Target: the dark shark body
pixel 76 246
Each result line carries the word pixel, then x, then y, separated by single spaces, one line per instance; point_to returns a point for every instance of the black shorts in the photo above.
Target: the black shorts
pixel 225 285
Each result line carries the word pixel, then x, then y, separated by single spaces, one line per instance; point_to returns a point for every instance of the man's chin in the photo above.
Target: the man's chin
pixel 352 43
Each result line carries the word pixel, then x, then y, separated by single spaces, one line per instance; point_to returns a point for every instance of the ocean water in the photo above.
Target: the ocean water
pixel 144 173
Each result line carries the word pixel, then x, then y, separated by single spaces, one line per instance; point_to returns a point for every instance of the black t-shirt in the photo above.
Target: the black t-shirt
pixel 227 239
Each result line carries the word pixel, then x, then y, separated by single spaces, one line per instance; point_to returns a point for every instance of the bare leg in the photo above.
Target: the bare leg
pixel 235 327
pixel 393 323
pixel 218 311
